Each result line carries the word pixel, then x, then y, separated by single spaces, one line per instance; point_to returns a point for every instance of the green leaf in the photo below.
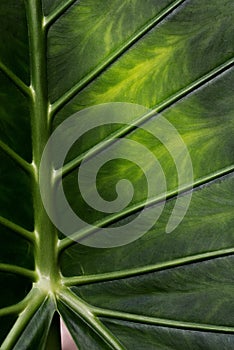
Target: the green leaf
pixel 167 67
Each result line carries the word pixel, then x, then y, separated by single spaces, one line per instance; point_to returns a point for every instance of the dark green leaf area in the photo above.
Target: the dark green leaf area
pixel 89 139
pixel 14 42
pixel 138 336
pixel 207 226
pixel 83 335
pixel 108 177
pixel 216 97
pixel 15 196
pixel 190 293
pixel 15 250
pixel 6 322
pixel 14 121
pixel 10 283
pixel 205 120
pixel 35 334
pixel 93 38
pixel 214 40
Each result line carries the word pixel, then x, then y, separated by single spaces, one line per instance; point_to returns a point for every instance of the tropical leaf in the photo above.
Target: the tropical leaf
pixel 167 65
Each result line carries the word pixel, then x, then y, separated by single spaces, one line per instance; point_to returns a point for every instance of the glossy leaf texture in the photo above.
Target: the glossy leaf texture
pixel 163 290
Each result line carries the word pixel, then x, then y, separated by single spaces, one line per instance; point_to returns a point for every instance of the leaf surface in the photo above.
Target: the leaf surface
pixel 163 290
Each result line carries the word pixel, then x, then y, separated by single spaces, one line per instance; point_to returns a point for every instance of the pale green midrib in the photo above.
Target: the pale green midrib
pixel 57 105
pixel 28 235
pixel 45 238
pixel 23 164
pixel 161 321
pixel 84 311
pixel 39 117
pixel 60 10
pixel 15 79
pixel 19 271
pixel 71 240
pixel 126 130
pixel 45 234
pixel 127 273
